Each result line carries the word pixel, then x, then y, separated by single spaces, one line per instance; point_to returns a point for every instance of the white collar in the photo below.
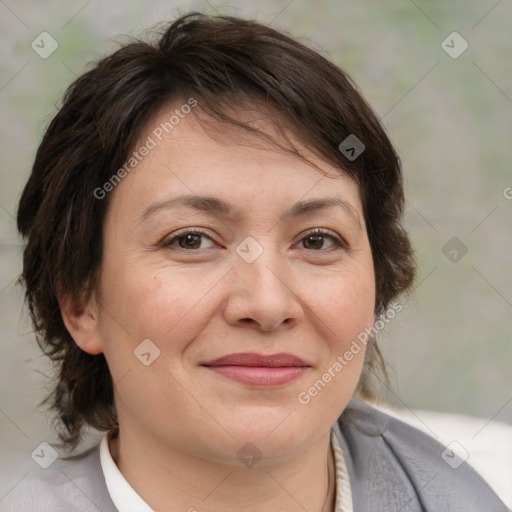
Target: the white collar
pixel 126 499
pixel 121 492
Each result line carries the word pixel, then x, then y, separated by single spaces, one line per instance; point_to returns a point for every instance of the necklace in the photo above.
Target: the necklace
pixel 331 485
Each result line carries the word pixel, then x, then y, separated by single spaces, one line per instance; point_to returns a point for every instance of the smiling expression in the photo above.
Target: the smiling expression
pixel 251 271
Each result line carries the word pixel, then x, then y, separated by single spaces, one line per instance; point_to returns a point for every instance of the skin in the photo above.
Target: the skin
pixel 181 425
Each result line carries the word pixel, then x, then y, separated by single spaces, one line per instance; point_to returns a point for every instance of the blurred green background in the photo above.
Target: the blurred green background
pixel 450 119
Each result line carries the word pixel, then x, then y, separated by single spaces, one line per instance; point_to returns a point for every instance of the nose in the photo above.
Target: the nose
pixel 261 295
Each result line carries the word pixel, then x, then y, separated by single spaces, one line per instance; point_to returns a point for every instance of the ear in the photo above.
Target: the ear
pixel 81 320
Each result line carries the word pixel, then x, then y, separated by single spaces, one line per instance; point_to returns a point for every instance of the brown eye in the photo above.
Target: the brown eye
pixel 192 240
pixel 319 240
pixel 314 242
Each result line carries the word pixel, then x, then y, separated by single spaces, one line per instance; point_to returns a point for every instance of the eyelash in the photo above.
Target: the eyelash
pixel 340 243
pixel 181 234
pixel 325 234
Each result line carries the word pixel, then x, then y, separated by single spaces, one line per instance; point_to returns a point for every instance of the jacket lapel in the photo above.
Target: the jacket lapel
pixel 393 466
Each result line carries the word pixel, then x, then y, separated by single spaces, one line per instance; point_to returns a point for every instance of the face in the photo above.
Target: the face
pixel 250 273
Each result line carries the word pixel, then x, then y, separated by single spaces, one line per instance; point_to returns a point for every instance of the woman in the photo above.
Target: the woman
pixel 213 229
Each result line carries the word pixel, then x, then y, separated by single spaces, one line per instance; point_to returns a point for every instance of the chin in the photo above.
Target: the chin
pixel 275 435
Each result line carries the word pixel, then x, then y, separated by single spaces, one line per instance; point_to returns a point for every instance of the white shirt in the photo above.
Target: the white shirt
pixel 126 499
pixel 121 492
pixel 488 450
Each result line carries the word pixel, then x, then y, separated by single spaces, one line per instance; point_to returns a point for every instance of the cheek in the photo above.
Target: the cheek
pixel 345 303
pixel 156 304
pixel 345 309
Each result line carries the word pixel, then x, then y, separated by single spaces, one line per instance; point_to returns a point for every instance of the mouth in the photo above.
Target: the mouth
pixel 259 370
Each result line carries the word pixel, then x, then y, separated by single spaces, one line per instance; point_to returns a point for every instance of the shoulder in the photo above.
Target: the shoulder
pixel 485 445
pixel 74 484
pixel 392 462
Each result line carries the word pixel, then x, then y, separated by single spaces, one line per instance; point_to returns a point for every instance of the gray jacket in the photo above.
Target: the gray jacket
pixel 393 467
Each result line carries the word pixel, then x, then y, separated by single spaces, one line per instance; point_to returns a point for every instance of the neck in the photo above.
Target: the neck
pixel 171 480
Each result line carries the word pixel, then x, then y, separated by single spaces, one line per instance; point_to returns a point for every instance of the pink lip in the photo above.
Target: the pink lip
pixel 259 370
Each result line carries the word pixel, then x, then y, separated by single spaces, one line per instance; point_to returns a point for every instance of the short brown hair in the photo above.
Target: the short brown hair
pixel 221 61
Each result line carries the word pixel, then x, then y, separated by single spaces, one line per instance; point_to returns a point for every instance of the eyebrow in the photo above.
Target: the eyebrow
pixel 219 207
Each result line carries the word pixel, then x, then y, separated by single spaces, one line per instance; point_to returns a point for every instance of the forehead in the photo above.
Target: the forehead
pixel 188 153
